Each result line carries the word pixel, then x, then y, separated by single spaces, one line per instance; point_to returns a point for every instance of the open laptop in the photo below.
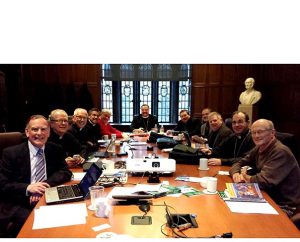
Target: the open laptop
pixel 188 139
pixel 76 192
pixel 104 154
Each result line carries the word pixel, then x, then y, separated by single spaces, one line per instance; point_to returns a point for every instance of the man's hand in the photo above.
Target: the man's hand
pixel 205 150
pixel 138 131
pixel 237 177
pixel 34 199
pixel 214 162
pixel 37 188
pixel 74 161
pixel 244 174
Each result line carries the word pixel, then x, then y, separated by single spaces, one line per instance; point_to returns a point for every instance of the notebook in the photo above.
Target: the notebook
pixel 76 192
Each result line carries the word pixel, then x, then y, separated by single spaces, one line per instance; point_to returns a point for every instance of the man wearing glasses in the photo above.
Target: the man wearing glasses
pixel 277 170
pixel 59 135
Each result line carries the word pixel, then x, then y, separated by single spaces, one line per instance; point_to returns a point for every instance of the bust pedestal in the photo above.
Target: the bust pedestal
pixel 249 109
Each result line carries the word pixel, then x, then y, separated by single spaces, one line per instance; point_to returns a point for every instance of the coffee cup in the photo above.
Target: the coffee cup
pixel 203 164
pixel 96 192
pixel 105 137
pixel 211 184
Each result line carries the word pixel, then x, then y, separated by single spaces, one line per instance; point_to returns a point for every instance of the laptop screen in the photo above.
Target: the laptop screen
pixel 187 138
pixel 90 178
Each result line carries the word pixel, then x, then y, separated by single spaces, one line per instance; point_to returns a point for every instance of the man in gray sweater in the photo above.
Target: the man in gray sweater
pixel 276 169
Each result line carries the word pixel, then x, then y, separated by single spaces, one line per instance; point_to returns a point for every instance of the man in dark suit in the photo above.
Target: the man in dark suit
pixel 187 124
pixel 26 170
pixel 218 131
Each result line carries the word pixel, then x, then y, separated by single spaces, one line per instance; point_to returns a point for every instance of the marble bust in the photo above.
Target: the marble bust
pixel 250 96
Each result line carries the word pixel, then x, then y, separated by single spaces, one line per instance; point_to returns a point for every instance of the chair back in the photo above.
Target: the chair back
pixel 10 139
pixel 290 141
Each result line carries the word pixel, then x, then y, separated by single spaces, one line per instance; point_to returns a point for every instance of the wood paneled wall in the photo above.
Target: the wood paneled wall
pixel 39 88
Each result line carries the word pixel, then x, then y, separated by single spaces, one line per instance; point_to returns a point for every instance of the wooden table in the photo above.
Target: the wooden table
pixel 213 215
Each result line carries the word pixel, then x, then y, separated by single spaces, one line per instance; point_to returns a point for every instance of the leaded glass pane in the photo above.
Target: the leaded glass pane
pixel 127 71
pixel 184 95
pixel 163 102
pixel 145 72
pixel 145 93
pixel 126 101
pixel 164 71
pixel 107 96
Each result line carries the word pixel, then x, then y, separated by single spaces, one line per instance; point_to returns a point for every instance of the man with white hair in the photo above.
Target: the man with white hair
pixel 79 130
pixel 105 126
pixel 276 169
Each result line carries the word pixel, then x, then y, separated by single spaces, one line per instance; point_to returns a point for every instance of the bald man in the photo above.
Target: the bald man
pixel 277 170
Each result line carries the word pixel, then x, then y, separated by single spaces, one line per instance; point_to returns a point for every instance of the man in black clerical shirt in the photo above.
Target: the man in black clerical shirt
pixel 143 122
pixel 93 128
pixel 59 135
pixel 236 146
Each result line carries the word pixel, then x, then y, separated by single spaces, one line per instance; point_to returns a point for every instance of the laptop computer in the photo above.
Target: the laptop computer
pixel 104 154
pixel 76 192
pixel 187 139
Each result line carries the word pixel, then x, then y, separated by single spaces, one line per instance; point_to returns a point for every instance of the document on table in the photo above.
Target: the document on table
pixel 77 176
pixel 59 215
pixel 251 207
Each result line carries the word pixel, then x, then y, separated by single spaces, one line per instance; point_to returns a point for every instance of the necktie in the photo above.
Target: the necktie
pixel 40 173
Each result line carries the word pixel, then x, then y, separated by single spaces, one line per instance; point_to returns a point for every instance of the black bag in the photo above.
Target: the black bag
pixel 184 154
pixel 165 143
pixel 154 136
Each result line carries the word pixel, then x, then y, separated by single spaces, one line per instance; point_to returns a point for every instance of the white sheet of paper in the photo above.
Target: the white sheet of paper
pixel 251 207
pixel 59 215
pixel 77 176
pixel 225 173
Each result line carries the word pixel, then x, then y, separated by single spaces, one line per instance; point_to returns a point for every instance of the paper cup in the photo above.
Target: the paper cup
pixel 211 185
pixel 203 164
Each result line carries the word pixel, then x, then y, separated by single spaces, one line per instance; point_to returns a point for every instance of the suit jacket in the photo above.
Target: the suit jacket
pixel 192 126
pixel 215 138
pixel 15 172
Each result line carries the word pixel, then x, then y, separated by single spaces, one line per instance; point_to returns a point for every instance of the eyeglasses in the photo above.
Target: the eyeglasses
pixel 60 121
pixel 81 117
pixel 259 132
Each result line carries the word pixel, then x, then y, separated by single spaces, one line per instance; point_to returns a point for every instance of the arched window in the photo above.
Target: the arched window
pixel 166 88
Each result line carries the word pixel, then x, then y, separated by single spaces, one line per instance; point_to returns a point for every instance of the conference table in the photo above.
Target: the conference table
pixel 211 212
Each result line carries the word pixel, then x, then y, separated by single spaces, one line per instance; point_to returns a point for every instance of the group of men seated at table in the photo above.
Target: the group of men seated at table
pixel 53 143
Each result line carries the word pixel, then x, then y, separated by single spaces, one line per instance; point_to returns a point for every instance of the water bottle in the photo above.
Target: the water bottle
pixel 155 129
pixel 162 130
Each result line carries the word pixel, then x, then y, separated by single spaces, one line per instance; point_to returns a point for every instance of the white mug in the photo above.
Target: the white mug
pixel 211 184
pixel 203 164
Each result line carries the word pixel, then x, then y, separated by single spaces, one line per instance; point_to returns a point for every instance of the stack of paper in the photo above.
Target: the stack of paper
pixel 59 215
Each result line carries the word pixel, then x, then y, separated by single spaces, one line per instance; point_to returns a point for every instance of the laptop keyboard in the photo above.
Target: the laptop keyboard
pixel 68 191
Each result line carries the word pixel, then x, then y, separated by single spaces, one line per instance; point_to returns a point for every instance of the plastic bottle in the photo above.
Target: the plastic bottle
pixel 112 146
pixel 155 129
pixel 162 130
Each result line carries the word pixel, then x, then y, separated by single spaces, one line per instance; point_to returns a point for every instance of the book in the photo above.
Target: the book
pixel 244 192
